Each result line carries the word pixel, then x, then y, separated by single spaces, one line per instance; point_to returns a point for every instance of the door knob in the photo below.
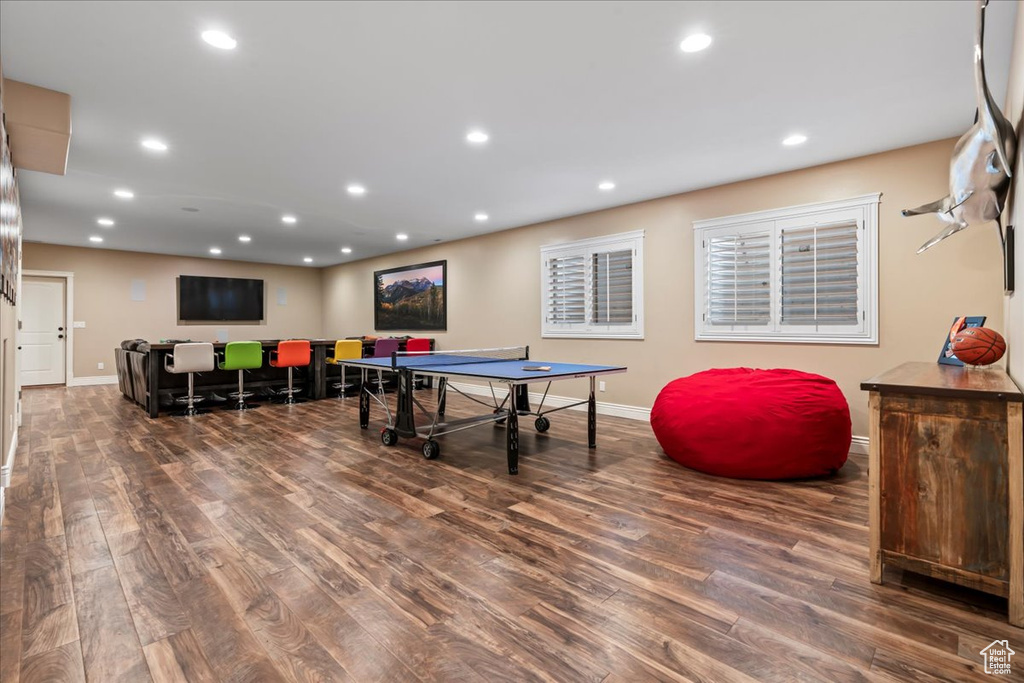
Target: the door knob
pixel 60 336
pixel 60 329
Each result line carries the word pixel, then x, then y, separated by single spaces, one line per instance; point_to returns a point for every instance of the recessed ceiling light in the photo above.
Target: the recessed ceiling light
pixel 215 251
pixel 606 185
pixel 481 217
pixel 244 238
pixel 124 194
pixel 220 40
pixel 96 238
pixel 357 190
pixel 307 259
pixel 105 222
pixel 154 144
pixel 795 139
pixel 290 220
pixel 695 43
pixel 190 209
pixel 401 237
pixel 477 137
pixel 346 250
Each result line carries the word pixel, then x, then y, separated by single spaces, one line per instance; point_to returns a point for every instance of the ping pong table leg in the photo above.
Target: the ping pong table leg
pixel 512 440
pixel 592 417
pixel 364 400
pixel 522 398
pixel 442 395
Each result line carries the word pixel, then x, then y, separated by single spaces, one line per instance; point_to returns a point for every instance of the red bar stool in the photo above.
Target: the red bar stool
pixel 291 354
pixel 418 346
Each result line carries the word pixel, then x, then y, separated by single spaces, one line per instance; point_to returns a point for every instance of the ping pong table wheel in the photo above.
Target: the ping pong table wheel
pixel 388 436
pixel 498 423
pixel 431 449
pixel 542 424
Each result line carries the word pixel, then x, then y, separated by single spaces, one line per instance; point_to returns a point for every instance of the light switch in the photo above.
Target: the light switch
pixel 78 323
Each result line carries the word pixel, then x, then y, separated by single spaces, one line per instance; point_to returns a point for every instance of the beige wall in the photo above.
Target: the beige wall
pixel 494 281
pixel 1015 209
pixel 102 299
pixel 8 365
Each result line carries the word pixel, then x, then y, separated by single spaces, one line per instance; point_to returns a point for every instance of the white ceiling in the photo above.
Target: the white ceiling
pixel 318 95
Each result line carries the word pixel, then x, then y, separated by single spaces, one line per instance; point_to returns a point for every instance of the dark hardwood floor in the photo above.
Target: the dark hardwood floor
pixel 287 544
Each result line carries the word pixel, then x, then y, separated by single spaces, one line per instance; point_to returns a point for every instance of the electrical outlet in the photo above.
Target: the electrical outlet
pixel 99 366
pixel 601 386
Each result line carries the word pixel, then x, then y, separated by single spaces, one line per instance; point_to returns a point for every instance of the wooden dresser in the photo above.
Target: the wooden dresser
pixel 946 477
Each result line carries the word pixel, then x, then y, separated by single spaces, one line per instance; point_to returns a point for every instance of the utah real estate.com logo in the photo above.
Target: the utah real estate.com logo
pixel 997 657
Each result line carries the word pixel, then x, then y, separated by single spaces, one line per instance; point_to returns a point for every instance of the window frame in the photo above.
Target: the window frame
pixel 863 208
pixel 633 240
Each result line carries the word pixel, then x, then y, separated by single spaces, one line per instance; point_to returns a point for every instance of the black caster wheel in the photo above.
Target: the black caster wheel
pixel 388 437
pixel 431 449
pixel 542 424
pixel 498 423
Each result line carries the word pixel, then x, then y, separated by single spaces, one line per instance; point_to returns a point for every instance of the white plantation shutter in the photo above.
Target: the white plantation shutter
pixel 799 274
pixel 819 275
pixel 738 285
pixel 612 287
pixel 567 287
pixel 593 287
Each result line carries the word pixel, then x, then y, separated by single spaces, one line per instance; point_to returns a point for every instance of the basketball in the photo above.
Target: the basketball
pixel 978 346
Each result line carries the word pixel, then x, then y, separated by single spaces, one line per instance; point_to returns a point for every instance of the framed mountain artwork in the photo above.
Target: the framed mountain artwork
pixel 411 298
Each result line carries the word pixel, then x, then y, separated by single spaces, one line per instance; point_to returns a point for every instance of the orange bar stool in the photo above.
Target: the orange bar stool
pixel 345 349
pixel 291 354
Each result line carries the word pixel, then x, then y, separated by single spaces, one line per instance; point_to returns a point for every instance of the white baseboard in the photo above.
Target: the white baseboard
pixel 8 464
pixel 858 445
pixel 5 473
pixel 92 381
pixel 612 409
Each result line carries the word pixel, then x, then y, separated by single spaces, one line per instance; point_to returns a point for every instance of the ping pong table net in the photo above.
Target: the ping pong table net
pixel 435 358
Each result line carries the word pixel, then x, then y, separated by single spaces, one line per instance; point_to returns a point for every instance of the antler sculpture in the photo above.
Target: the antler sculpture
pixel 982 162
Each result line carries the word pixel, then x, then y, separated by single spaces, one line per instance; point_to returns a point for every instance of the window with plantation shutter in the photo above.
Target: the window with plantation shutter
pixel 612 287
pixel 739 279
pixel 800 274
pixel 567 284
pixel 819 275
pixel 593 287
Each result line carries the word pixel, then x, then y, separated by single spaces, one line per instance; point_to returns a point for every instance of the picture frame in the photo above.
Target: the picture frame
pixel 411 298
pixel 946 356
pixel 10 219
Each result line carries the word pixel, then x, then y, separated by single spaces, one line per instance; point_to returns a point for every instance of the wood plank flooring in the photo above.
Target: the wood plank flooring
pixel 286 544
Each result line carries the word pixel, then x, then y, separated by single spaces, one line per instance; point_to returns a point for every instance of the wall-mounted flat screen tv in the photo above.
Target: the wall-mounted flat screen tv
pixel 219 298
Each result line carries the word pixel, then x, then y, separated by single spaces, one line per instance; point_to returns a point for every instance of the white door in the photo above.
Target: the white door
pixel 43 331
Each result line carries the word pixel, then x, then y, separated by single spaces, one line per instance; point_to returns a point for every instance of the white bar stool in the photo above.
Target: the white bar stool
pixel 189 358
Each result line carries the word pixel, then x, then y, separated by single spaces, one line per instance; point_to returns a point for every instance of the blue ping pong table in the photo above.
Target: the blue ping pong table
pixel 508 367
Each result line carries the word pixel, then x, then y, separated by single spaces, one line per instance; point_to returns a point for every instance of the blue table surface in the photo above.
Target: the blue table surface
pixel 495 369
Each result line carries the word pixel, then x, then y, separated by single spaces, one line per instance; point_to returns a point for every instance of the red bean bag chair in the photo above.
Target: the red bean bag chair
pixel 754 424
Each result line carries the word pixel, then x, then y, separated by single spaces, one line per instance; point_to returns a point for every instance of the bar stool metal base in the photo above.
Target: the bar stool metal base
pixel 240 397
pixel 191 400
pixel 289 393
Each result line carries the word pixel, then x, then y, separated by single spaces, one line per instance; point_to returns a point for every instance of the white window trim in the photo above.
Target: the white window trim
pixel 634 239
pixel 869 336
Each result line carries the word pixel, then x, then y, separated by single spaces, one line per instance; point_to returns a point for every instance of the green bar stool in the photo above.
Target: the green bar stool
pixel 242 356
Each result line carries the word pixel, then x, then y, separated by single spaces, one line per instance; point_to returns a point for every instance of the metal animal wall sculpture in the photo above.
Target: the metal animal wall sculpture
pixel 982 164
